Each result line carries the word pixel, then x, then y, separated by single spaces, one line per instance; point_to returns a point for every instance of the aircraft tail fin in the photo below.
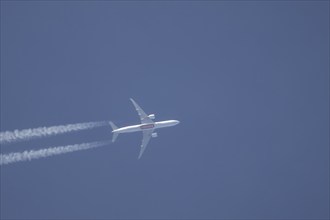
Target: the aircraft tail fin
pixel 114 127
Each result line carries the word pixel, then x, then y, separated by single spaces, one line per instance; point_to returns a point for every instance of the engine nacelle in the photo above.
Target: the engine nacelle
pixel 152 116
pixel 154 135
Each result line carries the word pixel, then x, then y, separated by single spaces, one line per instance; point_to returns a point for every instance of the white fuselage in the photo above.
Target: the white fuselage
pixel 148 126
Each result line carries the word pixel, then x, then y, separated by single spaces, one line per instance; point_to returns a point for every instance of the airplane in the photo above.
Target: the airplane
pixel 147 126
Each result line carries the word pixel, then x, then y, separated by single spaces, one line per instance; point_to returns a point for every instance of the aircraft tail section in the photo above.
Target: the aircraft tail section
pixel 114 127
pixel 114 137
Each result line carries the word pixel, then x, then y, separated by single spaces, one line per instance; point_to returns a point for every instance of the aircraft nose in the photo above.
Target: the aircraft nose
pixel 177 122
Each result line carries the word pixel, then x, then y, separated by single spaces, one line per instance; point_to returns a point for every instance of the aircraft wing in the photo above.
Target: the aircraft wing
pixel 143 116
pixel 145 140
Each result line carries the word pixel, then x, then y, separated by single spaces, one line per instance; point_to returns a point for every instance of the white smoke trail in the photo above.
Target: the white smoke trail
pixel 47 152
pixel 27 134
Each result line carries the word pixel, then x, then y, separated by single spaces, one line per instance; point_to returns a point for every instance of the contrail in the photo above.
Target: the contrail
pixel 47 152
pixel 27 134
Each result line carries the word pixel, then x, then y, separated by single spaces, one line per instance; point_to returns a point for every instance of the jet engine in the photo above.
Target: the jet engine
pixel 152 116
pixel 154 135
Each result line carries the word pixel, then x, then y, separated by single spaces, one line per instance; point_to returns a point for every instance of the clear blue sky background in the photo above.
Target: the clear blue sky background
pixel 249 82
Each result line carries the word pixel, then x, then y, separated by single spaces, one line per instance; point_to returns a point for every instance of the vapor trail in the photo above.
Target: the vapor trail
pixel 27 134
pixel 47 152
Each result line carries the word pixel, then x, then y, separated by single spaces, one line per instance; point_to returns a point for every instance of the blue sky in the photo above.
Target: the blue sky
pixel 249 82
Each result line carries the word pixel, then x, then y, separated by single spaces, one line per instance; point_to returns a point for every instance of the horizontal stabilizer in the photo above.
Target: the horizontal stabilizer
pixel 114 134
pixel 114 137
pixel 114 127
